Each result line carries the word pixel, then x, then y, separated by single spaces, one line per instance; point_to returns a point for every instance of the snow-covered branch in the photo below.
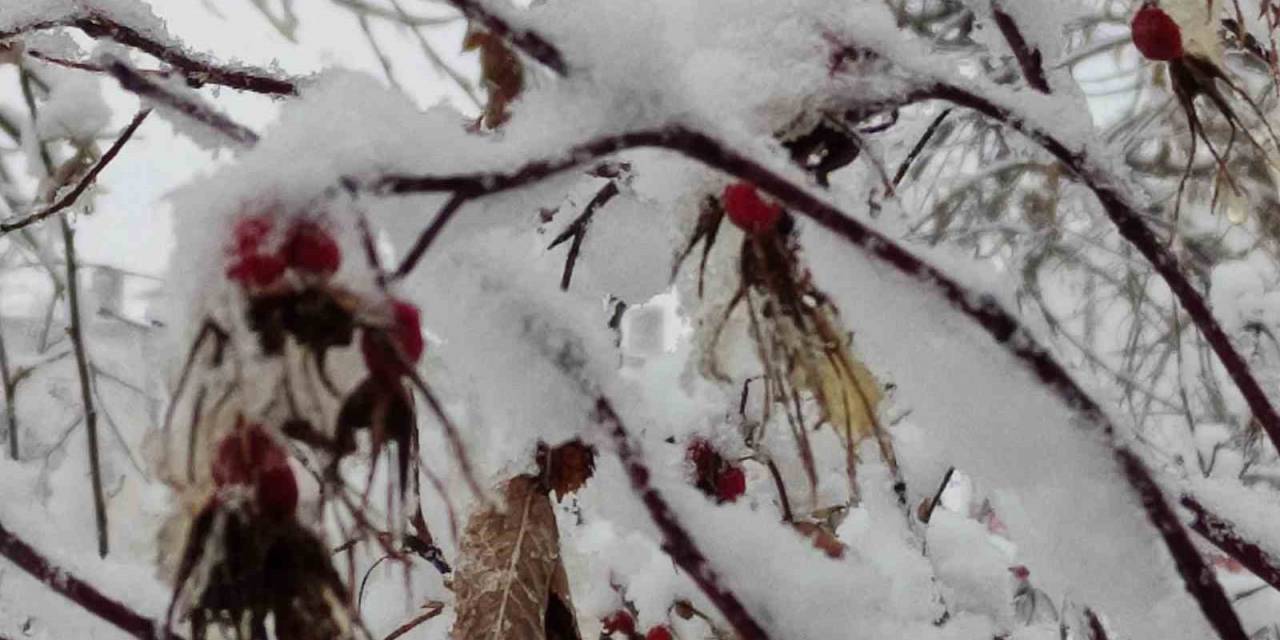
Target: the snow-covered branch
pixel 197 70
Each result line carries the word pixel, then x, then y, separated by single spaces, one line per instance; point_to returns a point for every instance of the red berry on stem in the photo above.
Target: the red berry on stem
pixel 256 270
pixel 1155 34
pixel 310 249
pixel 660 632
pixel 249 232
pixel 731 484
pixel 408 329
pixel 405 334
pixel 748 210
pixel 620 621
pixel 249 457
pixel 703 456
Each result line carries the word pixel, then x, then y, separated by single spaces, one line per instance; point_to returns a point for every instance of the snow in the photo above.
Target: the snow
pixel 75 109
pixel 518 362
pixel 975 571
pixel 975 407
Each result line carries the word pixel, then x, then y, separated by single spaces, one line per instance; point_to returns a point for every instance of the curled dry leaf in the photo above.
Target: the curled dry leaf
pixel 500 70
pixel 510 581
pixel 823 539
pixel 567 467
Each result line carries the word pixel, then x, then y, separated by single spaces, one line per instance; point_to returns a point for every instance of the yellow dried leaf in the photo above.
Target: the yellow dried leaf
pixel 845 388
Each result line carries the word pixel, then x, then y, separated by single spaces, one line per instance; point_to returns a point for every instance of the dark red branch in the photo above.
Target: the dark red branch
pixel 197 72
pixel 1196 575
pixel 480 183
pixel 429 235
pixel 1028 57
pixel 78 591
pixel 71 196
pixel 1125 215
pixel 983 309
pixel 136 83
pixel 676 542
pixel 1222 534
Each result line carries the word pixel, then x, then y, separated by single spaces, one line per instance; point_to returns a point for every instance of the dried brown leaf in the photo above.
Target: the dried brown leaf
pixel 501 72
pixel 823 539
pixel 567 467
pixel 510 580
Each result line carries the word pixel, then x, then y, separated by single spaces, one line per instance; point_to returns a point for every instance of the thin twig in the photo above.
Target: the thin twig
pixel 71 196
pixel 428 236
pixel 432 610
pixel 1028 57
pixel 134 82
pixel 923 142
pixel 927 514
pixel 1222 534
pixel 1124 213
pixel 676 541
pixel 77 338
pixel 1096 630
pixel 86 386
pixel 577 230
pixel 10 397
pixel 397 17
pixel 439 63
pixel 196 71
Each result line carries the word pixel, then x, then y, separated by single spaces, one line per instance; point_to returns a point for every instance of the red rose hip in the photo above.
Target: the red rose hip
pixel 731 484
pixel 249 233
pixel 256 270
pixel 660 632
pixel 310 249
pixel 249 457
pixel 404 334
pixel 620 621
pixel 747 209
pixel 1155 34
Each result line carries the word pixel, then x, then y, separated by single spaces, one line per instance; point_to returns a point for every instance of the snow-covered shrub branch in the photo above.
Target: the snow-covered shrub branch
pixel 854 431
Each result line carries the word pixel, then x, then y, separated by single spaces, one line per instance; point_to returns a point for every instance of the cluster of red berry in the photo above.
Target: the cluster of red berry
pixel 250 458
pixel 713 473
pixel 308 249
pixel 622 623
